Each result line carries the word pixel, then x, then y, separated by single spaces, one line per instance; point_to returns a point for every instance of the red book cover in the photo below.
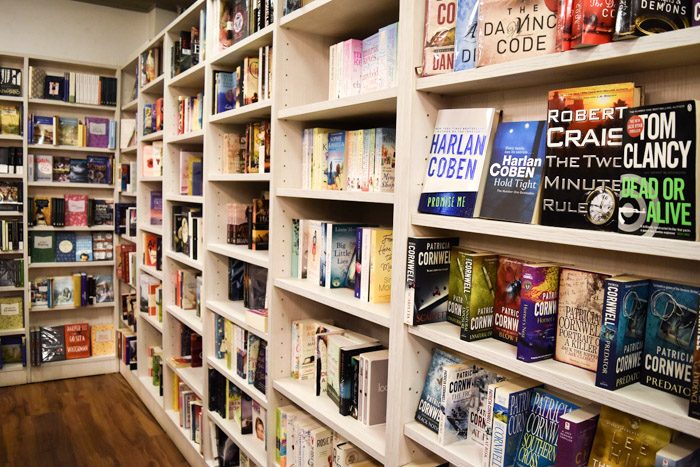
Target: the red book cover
pixel 563 40
pixel 123 260
pixel 76 210
pixel 592 22
pixel 507 301
pixel 77 340
pixel 196 349
pixel 159 114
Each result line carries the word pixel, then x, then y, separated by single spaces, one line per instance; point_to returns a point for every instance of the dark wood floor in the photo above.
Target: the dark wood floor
pixel 93 421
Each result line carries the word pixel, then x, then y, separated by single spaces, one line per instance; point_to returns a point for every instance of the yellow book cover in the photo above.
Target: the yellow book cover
pixel 228 343
pixel 319 180
pixel 101 338
pixel 76 300
pixel 11 313
pixel 9 120
pixel 380 265
pixel 176 393
pixel 622 439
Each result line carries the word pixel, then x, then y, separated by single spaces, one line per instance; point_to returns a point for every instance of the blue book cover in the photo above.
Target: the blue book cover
pixel 622 332
pixel 78 171
pixel 668 341
pixel 335 161
pixel 538 445
pixel 511 408
pixel 465 34
pixel 515 171
pixel 428 411
pixel 65 247
pixel 342 240
pixel 43 130
pixel 225 91
pixel 236 270
pixel 83 246
pixel 197 177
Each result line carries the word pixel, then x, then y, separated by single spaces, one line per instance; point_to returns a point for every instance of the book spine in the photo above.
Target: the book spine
pixel 694 405
pixel 488 439
pixel 358 263
pixel 607 355
pixel 444 375
pixel 499 432
pixel 410 294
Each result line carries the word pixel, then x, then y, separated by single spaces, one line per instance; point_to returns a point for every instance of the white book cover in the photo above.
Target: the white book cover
pixel 321 443
pixel 315 249
pixel 321 358
pixel 304 346
pixel 368 146
pixel 388 38
pixel 305 442
pixel 377 367
pixel 335 343
pixel 332 85
pixel 306 153
pixel 457 396
pixel 365 264
pixel 486 447
pixel 370 64
pixel 303 255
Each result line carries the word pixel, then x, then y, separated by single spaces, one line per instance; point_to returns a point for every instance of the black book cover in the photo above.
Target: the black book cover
pixel 54 87
pixel 345 376
pixel 217 392
pixel 236 272
pixel 643 17
pixel 10 81
pixel 255 285
pixel 261 368
pixel 53 344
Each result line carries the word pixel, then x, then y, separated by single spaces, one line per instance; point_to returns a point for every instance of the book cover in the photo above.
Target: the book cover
pixel 459 152
pixel 538 444
pixel 11 313
pixel 102 339
pixel 78 171
pixel 152 160
pixel 304 347
pixel 43 247
pixel 623 439
pixel 660 151
pixel 506 308
pixel 380 265
pixel 43 168
pixel 77 337
pixel 581 174
pixel 478 431
pixel 579 317
pixel 668 340
pixel 477 294
pixel 335 161
pixel 622 331
pixel 340 254
pixel 455 299
pixel 375 389
pixel 592 22
pixel 439 37
pixel 41 210
pixel 53 344
pixel 636 18
pixel 513 183
pixel 511 408
pixel 385 159
pixel 347 404
pixel 427 278
pixel 99 169
pixel 156 208
pixel 428 411
pixel 10 81
pixel 61 169
pixel 104 288
pixel 315 246
pixel 465 34
pixel 370 64
pixel 76 214
pixel 83 246
pixel 682 452
pixel 694 403
pixel 576 433
pixel 63 291
pixel 251 75
pixel 457 393
pixel 539 299
pixel 97 132
pixel 226 90
pixel 42 130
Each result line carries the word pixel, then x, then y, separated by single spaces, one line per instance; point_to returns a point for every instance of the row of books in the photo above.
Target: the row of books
pixel 126 347
pixel 11 235
pixel 250 82
pixel 244 352
pixel 10 119
pixel 248 282
pixel 302 440
pixel 340 255
pixel 190 112
pixel 10 81
pixel 191 173
pixel 153 250
pixel 13 350
pixel 151 296
pixel 91 132
pixel 331 357
pixel 500 413
pixel 188 287
pixel 231 403
pixel 129 310
pixel 226 451
pixel 247 152
pixel 67 247
pixel 189 408
pixel 70 341
pixel 240 18
pixel 76 290
pixel 125 219
pixel 11 196
pixel 78 88
pixel 155 366
pixel 187 231
pixel 148 68
pixel 12 316
pixel 249 224
pixel 153 117
pixel 11 159
pixel 152 165
pixel 71 210
pixel 126 262
pixel 189 49
pixel 354 160
pixel 60 169
pixel 463 34
pixel 360 66
pixel 11 272
pixel 127 177
pixel 189 349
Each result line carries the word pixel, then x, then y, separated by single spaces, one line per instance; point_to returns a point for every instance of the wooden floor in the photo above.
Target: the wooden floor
pixel 93 421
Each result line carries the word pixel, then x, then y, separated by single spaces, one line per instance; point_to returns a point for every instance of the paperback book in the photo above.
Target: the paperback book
pixel 539 299
pixel 506 308
pixel 439 37
pixel 428 412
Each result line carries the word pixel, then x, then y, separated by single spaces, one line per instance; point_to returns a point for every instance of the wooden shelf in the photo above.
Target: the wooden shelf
pixel 127 238
pixel 151 271
pixel 4 98
pixel 262 109
pixel 252 447
pixel 61 147
pixel 243 48
pixel 266 177
pixel 152 179
pixel 153 321
pixel 460 454
pixel 643 401
pixel 154 229
pixel 11 289
pixel 74 264
pixel 155 87
pixel 54 103
pixel 130 106
pixel 193 377
pixel 186 260
pixel 378 103
pixel 68 185
pixel 129 150
pixel 193 137
pixel 96 306
pixel 242 253
pixel 155 136
pixel 187 317
pixel 340 299
pixel 12 332
pixel 236 313
pixel 72 228
pixel 371 439
pixel 584 238
pixel 193 77
pixel 185 199
pixel 354 196
pixel 4 137
pixel 220 366
pixel 11 177
pixel 11 214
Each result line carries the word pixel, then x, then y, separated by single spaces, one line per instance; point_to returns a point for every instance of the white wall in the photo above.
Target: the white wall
pixel 71 30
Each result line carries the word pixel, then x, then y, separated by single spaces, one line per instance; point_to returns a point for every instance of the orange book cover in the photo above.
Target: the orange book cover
pixel 77 340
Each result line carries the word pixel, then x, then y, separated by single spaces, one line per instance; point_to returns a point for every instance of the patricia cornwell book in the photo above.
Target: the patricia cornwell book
pixel 539 299
pixel 477 295
pixel 428 412
pixel 507 302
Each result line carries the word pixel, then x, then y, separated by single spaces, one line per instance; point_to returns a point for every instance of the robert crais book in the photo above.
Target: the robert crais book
pixel 439 37
pixel 507 303
pixel 579 317
pixel 512 188
pixel 427 277
pixel 428 410
pixel 584 152
pixel 539 298
pixel 658 197
pixel 459 152
pixel 622 332
pixel 668 342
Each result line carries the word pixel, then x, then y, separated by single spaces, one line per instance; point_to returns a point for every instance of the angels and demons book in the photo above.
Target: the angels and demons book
pixel 459 152
pixel 637 18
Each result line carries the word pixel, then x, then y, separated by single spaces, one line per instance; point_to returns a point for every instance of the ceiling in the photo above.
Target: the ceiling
pixel 142 5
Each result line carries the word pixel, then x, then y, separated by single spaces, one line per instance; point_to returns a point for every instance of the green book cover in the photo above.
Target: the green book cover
pixel 458 255
pixel 478 295
pixel 42 249
pixel 11 313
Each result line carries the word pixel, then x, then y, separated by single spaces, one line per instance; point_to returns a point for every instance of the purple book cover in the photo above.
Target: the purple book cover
pixel 576 433
pixel 97 129
pixel 358 263
pixel 539 297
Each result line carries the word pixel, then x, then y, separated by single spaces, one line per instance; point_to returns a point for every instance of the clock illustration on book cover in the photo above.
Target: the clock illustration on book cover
pixel 601 205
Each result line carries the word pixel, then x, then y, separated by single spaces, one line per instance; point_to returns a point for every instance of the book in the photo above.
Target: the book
pixel 380 265
pixel 43 129
pixel 10 81
pixel 506 304
pixel 10 120
pixel 668 340
pixel 43 168
pixel 581 186
pixel 539 300
pixel 439 37
pixel 152 160
pixel 459 152
pixel 63 291
pixel 340 254
pixel 304 347
pixel 61 169
pixel 99 169
pixel 83 246
pixel 11 313
pixel 512 188
pixel 42 248
pixel 76 210
pixel 52 344
pixel 335 161
pixel 592 23
pixel 41 210
pixel 511 408
pixel 576 433
pixel 637 18
pixel 156 208
pixel 579 317
pixel 647 207
pixel 428 411
pixel 465 34
pixel 226 90
pixel 68 131
pixel 427 278
pixel 104 288
pixel 625 439
pixel 622 331
pixel 77 338
pixel 376 373
pixel 476 294
pixel 79 171
pixel 457 392
pixel 682 452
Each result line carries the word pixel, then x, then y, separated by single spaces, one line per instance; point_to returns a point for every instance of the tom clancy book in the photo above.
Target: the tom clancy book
pixel 457 393
pixel 584 154
pixel 658 196
pixel 579 317
pixel 623 439
pixel 427 278
pixel 459 152
pixel 514 29
pixel 506 307
pixel 428 411
pixel 539 299
pixel 668 341
pixel 637 18
pixel 538 446
pixel 465 34
pixel 622 332
pixel 576 432
pixel 511 407
pixel 439 38
pixel 592 22
pixel 477 294
pixel 512 188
